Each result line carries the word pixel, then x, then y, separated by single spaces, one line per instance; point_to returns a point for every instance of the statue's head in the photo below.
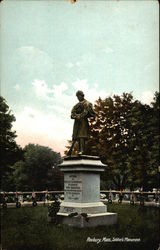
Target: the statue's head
pixel 80 95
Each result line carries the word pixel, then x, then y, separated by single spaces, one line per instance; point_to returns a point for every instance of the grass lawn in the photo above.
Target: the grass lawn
pixel 27 228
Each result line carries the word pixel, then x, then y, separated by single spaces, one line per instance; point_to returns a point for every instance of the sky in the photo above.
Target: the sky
pixel 51 49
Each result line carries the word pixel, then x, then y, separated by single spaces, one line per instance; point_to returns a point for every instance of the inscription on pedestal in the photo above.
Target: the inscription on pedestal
pixel 73 187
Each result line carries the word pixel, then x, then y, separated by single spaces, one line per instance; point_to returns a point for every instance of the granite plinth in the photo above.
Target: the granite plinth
pixel 82 192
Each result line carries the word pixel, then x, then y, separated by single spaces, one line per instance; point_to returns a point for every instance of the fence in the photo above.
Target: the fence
pixel 18 199
pixel 132 197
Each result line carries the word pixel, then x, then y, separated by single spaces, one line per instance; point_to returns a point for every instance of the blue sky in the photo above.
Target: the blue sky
pixel 50 49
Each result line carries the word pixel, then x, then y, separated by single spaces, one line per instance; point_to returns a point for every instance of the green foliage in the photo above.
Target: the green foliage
pixel 36 171
pixel 125 134
pixel 144 143
pixel 110 134
pixel 27 169
pixel 9 150
pixel 53 209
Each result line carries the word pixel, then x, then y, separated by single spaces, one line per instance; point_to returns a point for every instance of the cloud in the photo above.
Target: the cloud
pixel 108 50
pixel 41 88
pixel 52 127
pixel 43 91
pixel 78 63
pixel 58 90
pixel 17 87
pixel 55 96
pixel 35 126
pixel 33 61
pixel 80 84
pixel 92 92
pixel 69 65
pixel 60 101
pixel 147 97
pixel 33 53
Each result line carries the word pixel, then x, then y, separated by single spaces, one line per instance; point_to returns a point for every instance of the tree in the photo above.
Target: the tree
pixel 110 136
pixel 155 128
pixel 39 170
pixel 9 150
pixel 144 157
pixel 125 134
pixel 140 143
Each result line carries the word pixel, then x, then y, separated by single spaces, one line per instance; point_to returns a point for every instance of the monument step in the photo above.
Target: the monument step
pixel 91 220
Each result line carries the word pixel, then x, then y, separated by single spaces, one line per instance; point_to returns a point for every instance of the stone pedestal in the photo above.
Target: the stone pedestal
pixel 82 193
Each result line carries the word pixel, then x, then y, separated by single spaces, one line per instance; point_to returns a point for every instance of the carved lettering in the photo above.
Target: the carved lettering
pixel 72 187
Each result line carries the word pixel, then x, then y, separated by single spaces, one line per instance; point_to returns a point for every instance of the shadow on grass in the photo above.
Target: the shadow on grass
pixel 28 229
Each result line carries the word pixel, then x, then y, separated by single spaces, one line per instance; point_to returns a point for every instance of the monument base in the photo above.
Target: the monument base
pixel 82 206
pixel 89 208
pixel 93 220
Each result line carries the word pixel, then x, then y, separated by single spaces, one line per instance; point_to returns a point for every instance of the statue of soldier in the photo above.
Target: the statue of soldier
pixel 80 113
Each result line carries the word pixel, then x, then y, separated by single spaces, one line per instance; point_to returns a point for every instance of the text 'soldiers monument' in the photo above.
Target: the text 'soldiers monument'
pixel 82 206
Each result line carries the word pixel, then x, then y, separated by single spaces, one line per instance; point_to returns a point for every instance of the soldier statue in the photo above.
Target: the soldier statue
pixel 80 113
